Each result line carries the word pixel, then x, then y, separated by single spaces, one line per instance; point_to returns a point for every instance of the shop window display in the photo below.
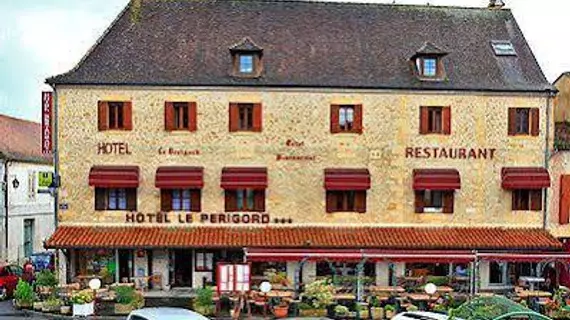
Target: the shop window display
pixel 99 263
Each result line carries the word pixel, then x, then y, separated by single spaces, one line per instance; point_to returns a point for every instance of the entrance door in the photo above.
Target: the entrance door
pixel 564 210
pixel 183 268
pixel 125 265
pixel 28 237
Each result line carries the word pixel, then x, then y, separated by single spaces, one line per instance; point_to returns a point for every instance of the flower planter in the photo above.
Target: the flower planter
pixel 309 313
pixel 38 306
pixel 65 310
pixel 281 311
pixel 377 313
pixel 123 309
pixel 389 314
pixel 85 309
pixel 364 314
pixel 50 309
pixel 43 290
pixel 205 310
pixel 22 305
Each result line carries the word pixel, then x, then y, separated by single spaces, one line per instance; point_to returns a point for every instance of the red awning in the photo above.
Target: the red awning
pixel 525 178
pixel 347 179
pixel 279 255
pixel 425 256
pixel 525 257
pixel 114 176
pixel 179 178
pixel 238 178
pixel 436 179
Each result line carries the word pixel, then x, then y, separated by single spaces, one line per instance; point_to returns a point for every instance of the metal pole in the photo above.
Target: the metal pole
pixel 359 271
pixel 297 279
pixel 546 159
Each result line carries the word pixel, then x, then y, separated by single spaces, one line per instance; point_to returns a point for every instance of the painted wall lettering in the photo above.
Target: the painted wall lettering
pixel 450 153
pixel 282 157
pixel 178 152
pixel 212 218
pixel 121 148
pixel 294 143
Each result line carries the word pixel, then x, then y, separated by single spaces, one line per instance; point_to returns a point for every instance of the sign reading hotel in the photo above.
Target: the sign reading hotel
pixel 117 148
pixel 47 111
pixel 188 218
pixel 451 153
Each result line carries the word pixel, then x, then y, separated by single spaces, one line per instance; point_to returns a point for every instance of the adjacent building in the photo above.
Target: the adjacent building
pixel 302 135
pixel 27 212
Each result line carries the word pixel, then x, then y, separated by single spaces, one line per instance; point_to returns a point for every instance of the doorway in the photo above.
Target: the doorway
pixel 183 268
pixel 125 265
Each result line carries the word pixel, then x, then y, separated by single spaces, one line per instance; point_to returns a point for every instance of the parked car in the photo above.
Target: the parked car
pixel 43 260
pixel 9 276
pixel 423 315
pixel 165 314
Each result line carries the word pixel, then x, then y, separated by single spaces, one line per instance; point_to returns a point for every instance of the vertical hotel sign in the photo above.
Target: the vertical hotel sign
pixel 47 112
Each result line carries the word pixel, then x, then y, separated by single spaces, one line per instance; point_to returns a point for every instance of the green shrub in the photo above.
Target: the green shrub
pixel 204 297
pixel 82 297
pixel 390 307
pixel 341 310
pixel 125 294
pixel 46 278
pixel 304 306
pixel 24 293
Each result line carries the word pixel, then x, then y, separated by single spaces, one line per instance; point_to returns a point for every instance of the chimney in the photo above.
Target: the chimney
pixel 496 4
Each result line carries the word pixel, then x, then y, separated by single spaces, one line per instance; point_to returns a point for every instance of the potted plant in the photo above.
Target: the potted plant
pixel 376 308
pixel 204 302
pixel 45 282
pixel 319 295
pixel 24 295
pixel 65 309
pixel 52 304
pixel 412 307
pixel 361 310
pixel 390 310
pixel 83 303
pixel 281 310
pixel 124 299
pixel 341 311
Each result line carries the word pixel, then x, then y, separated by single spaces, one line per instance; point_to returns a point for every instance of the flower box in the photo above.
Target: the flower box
pixel 85 309
pixel 313 313
pixel 123 309
pixel 65 310
pixel 377 313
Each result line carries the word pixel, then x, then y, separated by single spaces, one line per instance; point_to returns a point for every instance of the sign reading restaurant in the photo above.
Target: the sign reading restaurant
pixel 450 153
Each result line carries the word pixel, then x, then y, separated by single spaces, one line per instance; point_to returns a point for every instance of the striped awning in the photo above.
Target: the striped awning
pixel 347 179
pixel 179 177
pixel 114 176
pixel 525 178
pixel 436 179
pixel 243 177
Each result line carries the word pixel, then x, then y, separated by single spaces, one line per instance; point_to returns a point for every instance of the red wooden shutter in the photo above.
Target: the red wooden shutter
pixel 127 115
pixel 195 200
pixel 534 122
pixel 231 201
pixel 100 199
pixel 514 201
pixel 257 117
pixel 512 121
pixel 103 115
pixel 234 117
pixel 424 119
pixel 168 116
pixel 331 201
pixel 536 200
pixel 564 209
pixel 335 125
pixel 259 200
pixel 357 118
pixel 165 200
pixel 446 115
pixel 132 199
pixel 419 201
pixel 192 116
pixel 360 201
pixel 448 200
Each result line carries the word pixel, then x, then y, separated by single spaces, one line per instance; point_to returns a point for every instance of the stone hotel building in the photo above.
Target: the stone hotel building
pixel 309 137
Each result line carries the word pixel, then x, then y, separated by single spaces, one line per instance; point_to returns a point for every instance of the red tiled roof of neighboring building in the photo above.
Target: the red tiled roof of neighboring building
pixel 21 140
pixel 304 237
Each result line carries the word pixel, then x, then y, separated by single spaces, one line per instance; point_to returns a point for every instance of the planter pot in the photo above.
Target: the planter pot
pixel 317 313
pixel 364 314
pixel 38 306
pixel 123 309
pixel 85 309
pixel 205 310
pixel 65 309
pixel 45 290
pixel 389 314
pixel 377 313
pixel 22 305
pixel 281 311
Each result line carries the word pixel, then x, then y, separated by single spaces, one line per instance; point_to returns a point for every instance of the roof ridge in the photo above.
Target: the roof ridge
pixel 18 119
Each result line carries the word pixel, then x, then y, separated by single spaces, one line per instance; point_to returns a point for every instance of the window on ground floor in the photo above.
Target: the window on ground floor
pixel 524 200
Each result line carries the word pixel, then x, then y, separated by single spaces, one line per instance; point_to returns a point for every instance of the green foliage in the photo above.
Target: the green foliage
pixel 438 280
pixel 138 301
pixel 125 294
pixel 46 278
pixel 304 306
pixel 390 307
pixel 53 303
pixel 82 297
pixel 412 308
pixel 375 302
pixel 439 308
pixel 24 293
pixel 341 310
pixel 319 293
pixel 204 297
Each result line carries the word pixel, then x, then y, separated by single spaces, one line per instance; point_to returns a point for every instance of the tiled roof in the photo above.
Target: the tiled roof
pixel 20 140
pixel 308 44
pixel 304 237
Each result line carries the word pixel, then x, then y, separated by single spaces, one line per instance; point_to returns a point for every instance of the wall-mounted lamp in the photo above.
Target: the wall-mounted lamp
pixel 15 183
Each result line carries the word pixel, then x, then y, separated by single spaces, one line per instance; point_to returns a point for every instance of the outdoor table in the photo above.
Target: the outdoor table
pixel 344 297
pixel 279 294
pixel 444 289
pixel 397 289
pixel 531 294
pixel 531 281
pixel 421 299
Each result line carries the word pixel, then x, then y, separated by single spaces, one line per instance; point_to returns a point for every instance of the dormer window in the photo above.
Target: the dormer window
pixel 246 59
pixel 427 63
pixel 503 48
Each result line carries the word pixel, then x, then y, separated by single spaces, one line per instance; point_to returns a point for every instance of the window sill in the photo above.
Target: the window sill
pixel 433 210
pixel 345 212
pixel 245 133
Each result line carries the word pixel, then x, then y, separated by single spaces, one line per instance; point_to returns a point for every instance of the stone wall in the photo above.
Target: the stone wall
pixel 391 124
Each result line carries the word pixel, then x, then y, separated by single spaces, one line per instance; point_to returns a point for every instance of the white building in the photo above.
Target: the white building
pixel 27 207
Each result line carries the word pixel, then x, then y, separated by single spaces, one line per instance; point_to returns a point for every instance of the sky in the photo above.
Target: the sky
pixel 42 38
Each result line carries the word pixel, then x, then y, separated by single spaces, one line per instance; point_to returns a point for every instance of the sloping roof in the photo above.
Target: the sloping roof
pixel 307 44
pixel 21 140
pixel 303 237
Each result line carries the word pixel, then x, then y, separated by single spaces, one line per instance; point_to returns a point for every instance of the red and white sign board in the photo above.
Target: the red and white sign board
pixel 47 111
pixel 234 277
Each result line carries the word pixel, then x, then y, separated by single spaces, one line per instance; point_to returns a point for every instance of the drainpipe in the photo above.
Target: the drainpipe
pixel 56 182
pixel 7 187
pixel 550 95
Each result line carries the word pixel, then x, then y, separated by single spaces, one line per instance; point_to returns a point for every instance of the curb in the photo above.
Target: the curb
pixel 62 317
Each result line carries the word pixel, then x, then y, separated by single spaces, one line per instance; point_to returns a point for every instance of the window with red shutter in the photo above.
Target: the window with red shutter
pixel 252 200
pixel 103 115
pixel 245 117
pixel 115 115
pixel 524 121
pixel 525 200
pixel 116 199
pixel 435 120
pixel 346 118
pixel 534 122
pixel 424 120
pixel 434 201
pixel 180 116
pixel 346 201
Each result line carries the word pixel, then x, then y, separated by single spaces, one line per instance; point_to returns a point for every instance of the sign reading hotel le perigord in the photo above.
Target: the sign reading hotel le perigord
pixel 213 218
pixel 451 153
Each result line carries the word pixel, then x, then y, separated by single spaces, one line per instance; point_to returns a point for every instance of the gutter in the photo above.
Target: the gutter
pixel 545 217
pixel 5 182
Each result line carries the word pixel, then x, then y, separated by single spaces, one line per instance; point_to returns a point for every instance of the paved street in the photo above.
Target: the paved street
pixel 7 312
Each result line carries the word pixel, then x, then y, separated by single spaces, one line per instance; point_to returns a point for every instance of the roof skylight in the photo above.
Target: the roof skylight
pixel 503 48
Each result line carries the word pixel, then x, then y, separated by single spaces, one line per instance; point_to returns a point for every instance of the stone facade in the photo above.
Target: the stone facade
pixel 391 121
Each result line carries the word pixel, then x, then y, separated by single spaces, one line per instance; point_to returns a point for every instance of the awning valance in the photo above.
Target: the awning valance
pixel 525 178
pixel 347 179
pixel 526 257
pixel 241 178
pixel 114 176
pixel 436 179
pixel 179 177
